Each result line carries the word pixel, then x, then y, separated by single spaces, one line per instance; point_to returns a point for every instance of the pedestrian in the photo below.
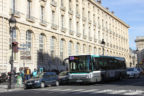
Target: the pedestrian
pixel 22 74
pixel 28 73
pixel 35 73
pixel 19 80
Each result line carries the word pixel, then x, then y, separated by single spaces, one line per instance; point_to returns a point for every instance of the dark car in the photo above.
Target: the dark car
pixel 43 80
pixel 63 77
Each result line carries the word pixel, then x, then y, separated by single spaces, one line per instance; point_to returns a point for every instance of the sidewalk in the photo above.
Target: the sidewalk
pixel 4 88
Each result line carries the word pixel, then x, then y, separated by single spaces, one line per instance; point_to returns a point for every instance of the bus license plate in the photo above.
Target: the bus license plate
pixel 79 81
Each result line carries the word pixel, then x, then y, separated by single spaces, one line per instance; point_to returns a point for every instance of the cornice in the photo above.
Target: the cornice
pixel 108 12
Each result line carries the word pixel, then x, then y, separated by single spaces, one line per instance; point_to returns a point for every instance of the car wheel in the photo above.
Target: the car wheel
pixel 57 83
pixel 42 85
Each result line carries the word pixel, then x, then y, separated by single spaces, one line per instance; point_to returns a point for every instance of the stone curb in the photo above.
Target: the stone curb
pixel 3 88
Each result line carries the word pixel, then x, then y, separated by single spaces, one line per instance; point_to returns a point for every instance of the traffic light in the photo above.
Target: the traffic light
pixel 15 46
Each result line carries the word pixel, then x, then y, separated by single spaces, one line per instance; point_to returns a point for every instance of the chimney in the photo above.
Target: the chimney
pixel 107 8
pixel 112 12
pixel 99 1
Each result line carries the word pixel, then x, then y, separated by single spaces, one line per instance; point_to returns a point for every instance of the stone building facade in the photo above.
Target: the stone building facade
pixel 140 49
pixel 133 58
pixel 54 29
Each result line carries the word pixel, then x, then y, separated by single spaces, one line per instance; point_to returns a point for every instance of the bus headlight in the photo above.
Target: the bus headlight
pixel 89 76
pixel 70 77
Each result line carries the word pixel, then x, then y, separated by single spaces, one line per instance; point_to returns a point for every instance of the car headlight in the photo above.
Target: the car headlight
pixel 37 81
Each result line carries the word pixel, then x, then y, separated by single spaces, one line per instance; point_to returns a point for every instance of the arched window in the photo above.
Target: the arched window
pixel 29 41
pixel 89 49
pixel 41 42
pixel 84 46
pixel 52 46
pixel 94 50
pixel 70 48
pixel 62 49
pixel 13 35
pixel 77 48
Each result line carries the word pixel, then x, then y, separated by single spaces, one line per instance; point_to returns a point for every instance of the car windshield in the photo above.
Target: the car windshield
pixel 38 76
pixel 130 69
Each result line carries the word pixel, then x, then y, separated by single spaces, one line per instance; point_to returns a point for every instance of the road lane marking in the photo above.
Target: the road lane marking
pixel 96 91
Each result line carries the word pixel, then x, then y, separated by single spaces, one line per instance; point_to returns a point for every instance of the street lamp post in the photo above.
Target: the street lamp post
pixel 103 44
pixel 12 24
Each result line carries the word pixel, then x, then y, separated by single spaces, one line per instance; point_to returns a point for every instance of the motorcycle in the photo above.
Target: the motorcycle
pixel 3 77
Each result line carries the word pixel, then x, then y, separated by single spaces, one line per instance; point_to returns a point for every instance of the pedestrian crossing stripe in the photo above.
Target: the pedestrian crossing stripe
pixel 98 91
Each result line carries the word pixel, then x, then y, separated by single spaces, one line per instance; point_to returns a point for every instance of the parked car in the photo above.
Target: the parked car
pixel 133 73
pixel 63 77
pixel 43 80
pixel 140 70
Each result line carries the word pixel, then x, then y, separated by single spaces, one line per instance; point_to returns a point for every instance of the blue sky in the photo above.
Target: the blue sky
pixel 131 12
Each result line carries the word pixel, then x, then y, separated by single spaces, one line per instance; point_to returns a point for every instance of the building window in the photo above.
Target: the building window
pixel 89 32
pixel 77 49
pixel 77 27
pixel 94 33
pixel 41 42
pixel 94 18
pixel 83 29
pixel 77 8
pixel 70 48
pixel 83 12
pixel 14 36
pixel 84 46
pixel 13 6
pixel 42 13
pixel 89 15
pixel 89 50
pixel 41 48
pixel 94 51
pixel 29 7
pixel 52 47
pixel 99 35
pixel 62 49
pixel 29 41
pixel 62 3
pixel 98 21
pixel 62 20
pixel 53 17
pixel 70 4
pixel 70 24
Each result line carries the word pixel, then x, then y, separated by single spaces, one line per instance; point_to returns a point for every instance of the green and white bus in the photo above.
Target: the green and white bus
pixel 93 68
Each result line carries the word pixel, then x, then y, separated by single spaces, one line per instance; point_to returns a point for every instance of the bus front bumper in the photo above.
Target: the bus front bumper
pixel 87 80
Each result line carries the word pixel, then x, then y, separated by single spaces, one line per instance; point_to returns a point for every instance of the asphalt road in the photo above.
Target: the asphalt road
pixel 126 87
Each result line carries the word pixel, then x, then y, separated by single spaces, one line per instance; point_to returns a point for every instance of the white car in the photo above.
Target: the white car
pixel 133 73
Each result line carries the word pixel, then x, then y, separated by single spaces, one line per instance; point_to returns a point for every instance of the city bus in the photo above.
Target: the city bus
pixel 95 68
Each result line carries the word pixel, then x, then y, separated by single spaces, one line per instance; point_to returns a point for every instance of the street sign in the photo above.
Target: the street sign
pixel 24 53
pixel 21 48
pixel 25 57
pixel 23 44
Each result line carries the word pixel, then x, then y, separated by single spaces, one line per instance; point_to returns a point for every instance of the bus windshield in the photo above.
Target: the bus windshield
pixel 79 63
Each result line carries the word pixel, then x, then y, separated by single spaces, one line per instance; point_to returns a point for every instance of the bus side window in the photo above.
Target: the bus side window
pixel 95 64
